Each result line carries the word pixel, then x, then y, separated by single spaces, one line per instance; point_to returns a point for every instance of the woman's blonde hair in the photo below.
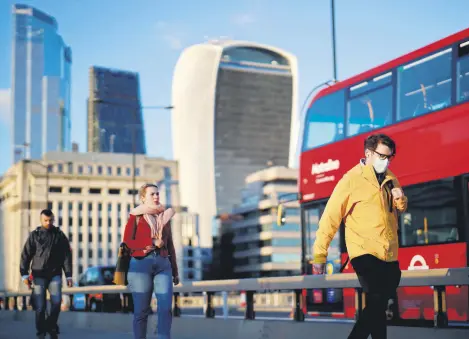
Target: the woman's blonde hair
pixel 143 190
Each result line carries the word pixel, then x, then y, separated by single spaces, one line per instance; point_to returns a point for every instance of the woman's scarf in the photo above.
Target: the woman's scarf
pixel 153 216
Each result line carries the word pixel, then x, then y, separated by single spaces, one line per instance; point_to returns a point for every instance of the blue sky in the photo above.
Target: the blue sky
pixel 147 36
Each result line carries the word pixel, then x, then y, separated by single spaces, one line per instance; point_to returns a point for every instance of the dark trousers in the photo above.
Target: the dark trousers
pixel 54 286
pixel 379 280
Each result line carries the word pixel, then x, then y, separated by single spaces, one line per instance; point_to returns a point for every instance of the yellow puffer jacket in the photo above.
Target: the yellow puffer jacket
pixel 364 205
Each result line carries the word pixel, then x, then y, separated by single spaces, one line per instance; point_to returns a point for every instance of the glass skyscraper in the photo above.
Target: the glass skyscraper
pixel 115 122
pixel 40 90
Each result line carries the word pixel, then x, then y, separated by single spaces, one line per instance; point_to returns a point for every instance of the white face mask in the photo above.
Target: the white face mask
pixel 380 165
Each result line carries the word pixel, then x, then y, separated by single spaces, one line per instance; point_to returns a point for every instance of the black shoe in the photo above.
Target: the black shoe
pixel 41 336
pixel 54 335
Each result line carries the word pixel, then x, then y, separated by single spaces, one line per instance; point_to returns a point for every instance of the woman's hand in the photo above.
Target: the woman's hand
pixel 176 280
pixel 148 249
pixel 158 243
pixel 160 209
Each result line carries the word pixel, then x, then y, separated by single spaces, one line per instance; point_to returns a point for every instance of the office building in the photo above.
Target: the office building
pixel 40 85
pixel 234 103
pixel 115 122
pixel 196 259
pixel 90 194
pixel 262 248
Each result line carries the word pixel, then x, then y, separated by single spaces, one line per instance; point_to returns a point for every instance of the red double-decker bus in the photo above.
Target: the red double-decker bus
pixel 421 100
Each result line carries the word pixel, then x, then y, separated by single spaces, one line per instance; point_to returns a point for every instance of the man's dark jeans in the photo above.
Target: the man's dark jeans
pixel 379 280
pixel 54 286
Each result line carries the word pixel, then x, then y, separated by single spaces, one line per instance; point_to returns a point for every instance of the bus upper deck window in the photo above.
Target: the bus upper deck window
pixel 424 85
pixel 462 72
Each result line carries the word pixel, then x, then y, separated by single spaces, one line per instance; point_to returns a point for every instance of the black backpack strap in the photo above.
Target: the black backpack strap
pixel 345 264
pixel 134 231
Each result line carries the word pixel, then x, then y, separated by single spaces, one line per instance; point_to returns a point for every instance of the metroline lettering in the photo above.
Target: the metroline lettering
pixel 323 167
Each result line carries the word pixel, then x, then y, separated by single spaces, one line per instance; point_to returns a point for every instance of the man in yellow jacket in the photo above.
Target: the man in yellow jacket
pixel 368 199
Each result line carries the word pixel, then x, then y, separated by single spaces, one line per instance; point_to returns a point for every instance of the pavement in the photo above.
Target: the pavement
pixel 22 330
pixel 26 329
pixel 76 325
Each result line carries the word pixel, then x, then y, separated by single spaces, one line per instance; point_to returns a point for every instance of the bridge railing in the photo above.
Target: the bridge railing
pixel 439 279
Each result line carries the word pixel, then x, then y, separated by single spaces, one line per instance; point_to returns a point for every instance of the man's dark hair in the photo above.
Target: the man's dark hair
pixel 47 213
pixel 374 140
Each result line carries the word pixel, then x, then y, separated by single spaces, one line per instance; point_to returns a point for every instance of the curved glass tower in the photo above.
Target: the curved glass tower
pixel 41 81
pixel 234 110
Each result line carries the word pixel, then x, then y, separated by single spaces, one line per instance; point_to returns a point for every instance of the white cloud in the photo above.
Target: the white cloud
pixel 171 34
pixel 173 41
pixel 243 19
pixel 4 105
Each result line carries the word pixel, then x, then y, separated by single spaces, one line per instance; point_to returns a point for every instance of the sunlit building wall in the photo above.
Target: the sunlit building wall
pixel 91 195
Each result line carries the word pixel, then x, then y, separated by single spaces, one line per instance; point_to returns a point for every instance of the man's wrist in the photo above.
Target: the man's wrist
pixel 319 259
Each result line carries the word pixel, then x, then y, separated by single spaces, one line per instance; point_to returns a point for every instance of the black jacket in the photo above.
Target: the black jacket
pixel 49 251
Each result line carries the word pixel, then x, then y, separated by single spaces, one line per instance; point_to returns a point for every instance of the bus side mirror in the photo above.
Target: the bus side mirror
pixel 280 215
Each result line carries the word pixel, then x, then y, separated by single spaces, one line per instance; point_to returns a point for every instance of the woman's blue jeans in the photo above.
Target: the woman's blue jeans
pixel 146 276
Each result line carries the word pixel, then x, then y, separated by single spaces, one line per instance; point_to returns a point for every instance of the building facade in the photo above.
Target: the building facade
pixel 91 196
pixel 40 88
pixel 196 259
pixel 262 248
pixel 115 122
pixel 234 103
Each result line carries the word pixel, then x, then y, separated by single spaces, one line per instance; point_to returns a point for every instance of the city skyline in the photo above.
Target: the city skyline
pixel 219 148
pixel 151 43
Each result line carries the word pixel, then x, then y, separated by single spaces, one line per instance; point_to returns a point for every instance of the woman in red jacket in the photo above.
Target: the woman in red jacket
pixel 153 267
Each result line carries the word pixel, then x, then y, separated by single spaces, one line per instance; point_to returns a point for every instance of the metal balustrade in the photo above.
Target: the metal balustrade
pixel 436 278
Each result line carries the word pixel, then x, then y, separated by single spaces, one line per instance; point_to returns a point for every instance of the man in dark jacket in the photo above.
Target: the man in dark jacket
pixel 49 250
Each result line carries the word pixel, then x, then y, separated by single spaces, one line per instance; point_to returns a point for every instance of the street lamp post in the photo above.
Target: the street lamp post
pixel 334 61
pixel 134 144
